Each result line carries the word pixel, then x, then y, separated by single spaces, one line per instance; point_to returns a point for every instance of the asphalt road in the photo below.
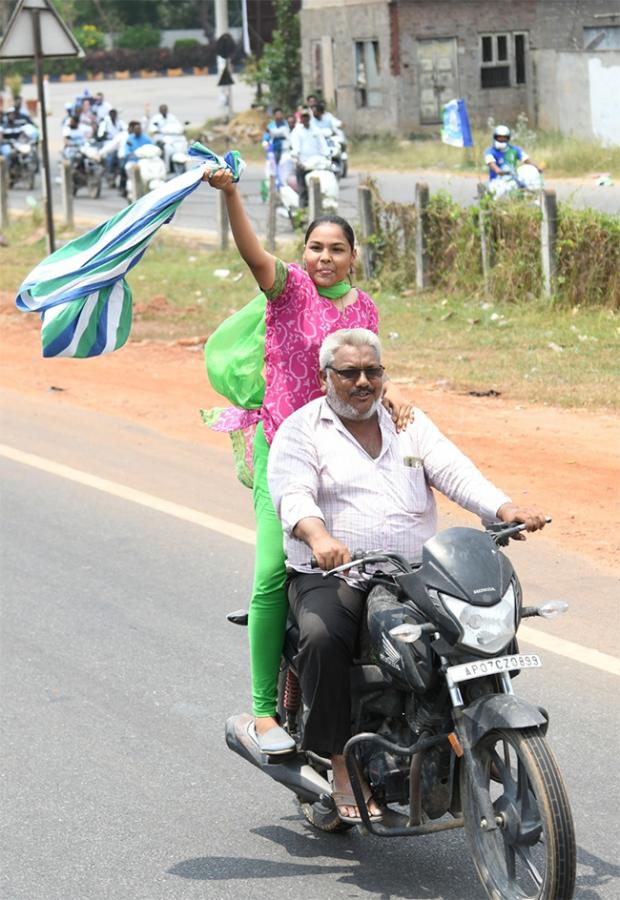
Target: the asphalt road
pixel 118 670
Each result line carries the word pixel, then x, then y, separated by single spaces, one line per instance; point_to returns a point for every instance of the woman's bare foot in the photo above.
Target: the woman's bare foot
pixel 265 723
pixel 342 784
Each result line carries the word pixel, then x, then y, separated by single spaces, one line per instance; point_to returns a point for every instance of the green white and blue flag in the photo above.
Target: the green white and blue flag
pixel 80 291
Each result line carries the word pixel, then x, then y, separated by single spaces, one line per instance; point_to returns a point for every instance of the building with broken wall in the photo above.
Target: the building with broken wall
pixel 390 65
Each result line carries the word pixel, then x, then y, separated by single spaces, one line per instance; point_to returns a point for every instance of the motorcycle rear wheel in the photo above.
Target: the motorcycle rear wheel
pixel 532 854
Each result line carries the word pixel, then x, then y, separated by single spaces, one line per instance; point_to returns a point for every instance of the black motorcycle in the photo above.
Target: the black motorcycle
pixel 23 161
pixel 86 168
pixel 438 732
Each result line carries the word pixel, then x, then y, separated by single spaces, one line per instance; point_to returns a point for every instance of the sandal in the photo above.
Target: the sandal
pixel 342 798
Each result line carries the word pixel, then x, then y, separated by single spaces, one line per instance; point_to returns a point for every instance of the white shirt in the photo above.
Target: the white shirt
pixel 317 468
pixel 308 142
pixel 159 122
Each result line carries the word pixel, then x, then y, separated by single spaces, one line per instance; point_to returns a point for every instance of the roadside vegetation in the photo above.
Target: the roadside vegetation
pixel 533 351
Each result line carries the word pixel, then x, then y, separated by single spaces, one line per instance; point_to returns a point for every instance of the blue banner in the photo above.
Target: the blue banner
pixel 455 130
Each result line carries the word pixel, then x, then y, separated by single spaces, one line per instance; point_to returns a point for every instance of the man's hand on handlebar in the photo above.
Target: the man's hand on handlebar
pixel 330 553
pixel 530 516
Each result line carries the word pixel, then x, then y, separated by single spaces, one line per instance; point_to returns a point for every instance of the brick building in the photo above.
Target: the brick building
pixel 390 65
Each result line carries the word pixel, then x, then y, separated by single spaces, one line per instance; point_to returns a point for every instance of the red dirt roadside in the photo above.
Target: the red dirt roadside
pixel 565 461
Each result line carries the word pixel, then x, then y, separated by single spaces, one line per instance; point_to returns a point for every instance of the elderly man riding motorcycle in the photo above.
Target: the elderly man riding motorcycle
pixel 341 477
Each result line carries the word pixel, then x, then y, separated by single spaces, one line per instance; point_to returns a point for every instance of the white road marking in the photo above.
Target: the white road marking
pixel 568 649
pixel 238 532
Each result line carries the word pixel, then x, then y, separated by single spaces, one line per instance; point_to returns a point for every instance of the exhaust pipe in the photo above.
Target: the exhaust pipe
pixel 292 771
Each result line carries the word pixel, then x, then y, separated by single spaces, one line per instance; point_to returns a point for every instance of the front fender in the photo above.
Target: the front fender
pixel 500 711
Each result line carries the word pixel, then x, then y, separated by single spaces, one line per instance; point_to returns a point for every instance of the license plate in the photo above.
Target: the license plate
pixel 494 666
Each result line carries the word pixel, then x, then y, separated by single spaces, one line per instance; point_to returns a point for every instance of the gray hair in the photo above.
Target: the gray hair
pixel 347 337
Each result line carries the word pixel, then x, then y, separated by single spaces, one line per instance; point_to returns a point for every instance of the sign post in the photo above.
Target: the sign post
pixel 36 31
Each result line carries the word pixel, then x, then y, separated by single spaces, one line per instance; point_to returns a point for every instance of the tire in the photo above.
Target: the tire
pixel 94 186
pixel 532 854
pixel 324 817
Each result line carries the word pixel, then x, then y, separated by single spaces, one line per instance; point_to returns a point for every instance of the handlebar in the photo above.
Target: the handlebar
pixel 500 535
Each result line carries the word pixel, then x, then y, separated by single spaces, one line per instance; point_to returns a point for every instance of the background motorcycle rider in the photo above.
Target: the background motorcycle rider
pixel 110 130
pixel 277 134
pixel 11 126
pixel 73 136
pixel 324 120
pixel 341 477
pixel 502 156
pixel 127 153
pixel 306 142
pixel 161 119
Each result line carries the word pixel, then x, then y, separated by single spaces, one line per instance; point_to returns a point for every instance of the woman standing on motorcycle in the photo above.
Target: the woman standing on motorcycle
pixel 304 304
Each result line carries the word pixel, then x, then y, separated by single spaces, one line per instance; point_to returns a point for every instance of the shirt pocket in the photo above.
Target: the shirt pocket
pixel 415 489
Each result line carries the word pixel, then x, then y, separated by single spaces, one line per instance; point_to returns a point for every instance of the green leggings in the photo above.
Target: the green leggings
pixel 269 606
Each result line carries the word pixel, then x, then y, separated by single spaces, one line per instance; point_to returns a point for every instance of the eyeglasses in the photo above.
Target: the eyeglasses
pixel 372 373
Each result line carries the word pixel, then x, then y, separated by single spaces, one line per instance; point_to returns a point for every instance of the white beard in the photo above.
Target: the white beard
pixel 345 410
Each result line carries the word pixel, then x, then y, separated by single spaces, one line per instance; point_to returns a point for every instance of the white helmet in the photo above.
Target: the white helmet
pixel 501 136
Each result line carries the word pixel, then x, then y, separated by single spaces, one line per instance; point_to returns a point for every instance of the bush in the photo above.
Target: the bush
pixel 89 37
pixel 139 37
pixel 588 250
pixel 183 43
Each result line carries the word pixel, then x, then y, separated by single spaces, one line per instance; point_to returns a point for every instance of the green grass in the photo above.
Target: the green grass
pixel 561 156
pixel 467 344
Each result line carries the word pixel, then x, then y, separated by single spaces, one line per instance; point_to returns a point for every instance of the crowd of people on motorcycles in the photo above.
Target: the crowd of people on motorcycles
pixel 98 142
pixel 308 140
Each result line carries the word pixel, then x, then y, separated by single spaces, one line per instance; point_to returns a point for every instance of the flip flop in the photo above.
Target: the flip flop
pixel 274 742
pixel 342 798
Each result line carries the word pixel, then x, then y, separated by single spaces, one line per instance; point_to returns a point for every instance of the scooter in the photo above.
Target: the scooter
pixel 173 143
pixel 151 171
pixel 337 143
pixel 317 167
pixel 525 180
pixel 438 732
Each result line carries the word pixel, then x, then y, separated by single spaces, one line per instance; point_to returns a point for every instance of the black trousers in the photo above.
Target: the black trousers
pixel 302 187
pixel 328 612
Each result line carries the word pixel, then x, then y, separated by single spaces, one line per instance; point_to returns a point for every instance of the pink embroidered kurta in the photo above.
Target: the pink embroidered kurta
pixel 297 322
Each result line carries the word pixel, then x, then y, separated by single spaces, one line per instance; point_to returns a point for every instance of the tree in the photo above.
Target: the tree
pixel 281 59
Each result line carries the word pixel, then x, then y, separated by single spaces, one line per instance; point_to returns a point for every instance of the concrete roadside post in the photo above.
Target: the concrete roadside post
pixel 272 202
pixel 4 193
pixel 222 221
pixel 367 228
pixel 421 252
pixel 486 249
pixel 66 188
pixel 315 202
pixel 137 185
pixel 549 230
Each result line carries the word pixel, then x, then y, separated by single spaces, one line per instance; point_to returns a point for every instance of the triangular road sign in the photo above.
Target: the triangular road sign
pixel 225 78
pixel 56 39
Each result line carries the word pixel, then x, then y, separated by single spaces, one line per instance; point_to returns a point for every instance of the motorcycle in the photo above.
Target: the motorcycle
pixel 24 159
pixel 86 168
pixel 173 144
pixel 318 167
pixel 525 180
pixel 438 731
pixel 151 171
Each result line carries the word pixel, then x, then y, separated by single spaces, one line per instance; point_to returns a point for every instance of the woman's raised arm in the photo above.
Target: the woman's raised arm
pixel 261 264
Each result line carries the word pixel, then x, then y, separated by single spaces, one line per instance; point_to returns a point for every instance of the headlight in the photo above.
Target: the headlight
pixel 485 628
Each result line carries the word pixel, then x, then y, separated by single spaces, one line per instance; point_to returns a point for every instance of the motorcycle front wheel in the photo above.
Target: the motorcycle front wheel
pixel 94 185
pixel 531 854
